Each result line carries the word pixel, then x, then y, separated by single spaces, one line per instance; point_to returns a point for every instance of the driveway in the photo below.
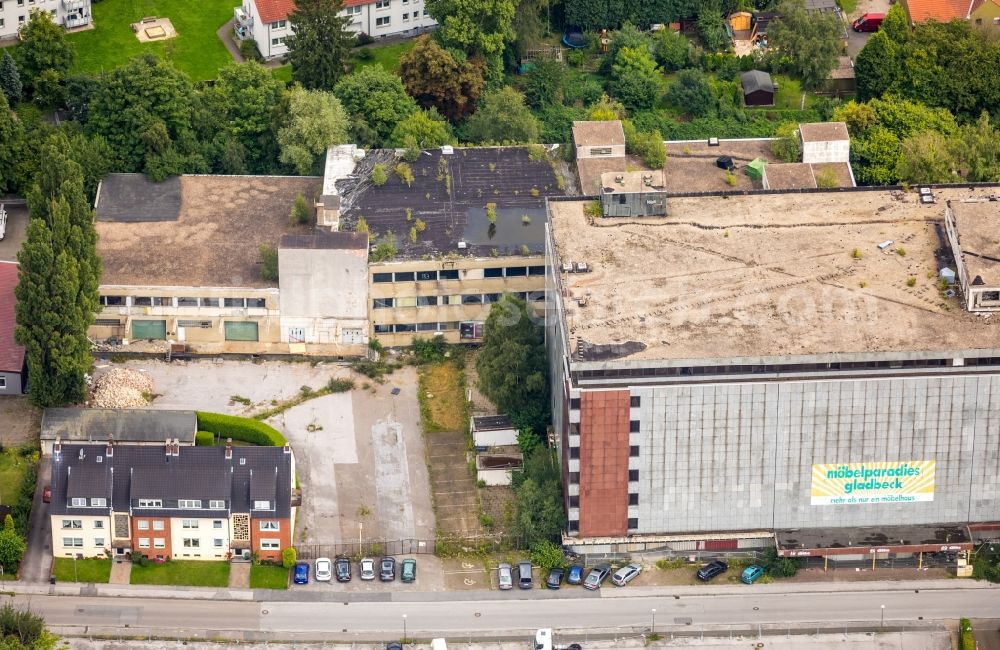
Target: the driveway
pixel 856 41
pixel 36 566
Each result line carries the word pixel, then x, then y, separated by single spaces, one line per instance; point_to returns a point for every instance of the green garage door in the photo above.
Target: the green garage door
pixel 149 329
pixel 241 331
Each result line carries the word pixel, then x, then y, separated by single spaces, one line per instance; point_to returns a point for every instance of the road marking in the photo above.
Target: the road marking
pixel 469 583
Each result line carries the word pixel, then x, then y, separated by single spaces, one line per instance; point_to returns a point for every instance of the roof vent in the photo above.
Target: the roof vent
pixel 713 142
pixel 567 267
pixel 581 267
pixel 620 179
pixel 99 459
pixel 447 150
pixel 647 180
pixel 81 456
pixel 463 245
pixel 243 461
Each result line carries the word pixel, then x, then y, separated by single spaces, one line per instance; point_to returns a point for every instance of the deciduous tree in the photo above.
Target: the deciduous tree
pixel 635 80
pixel 543 85
pixel 376 96
pixel 426 128
pixel 59 272
pixel 502 117
pixel 12 546
pixel 43 47
pixel 11 134
pixel 926 158
pixel 319 44
pixel 807 44
pixel 895 25
pixel 316 120
pixel 435 77
pixel 673 51
pixel 976 148
pixel 692 93
pixel 877 66
pixel 482 27
pixel 10 79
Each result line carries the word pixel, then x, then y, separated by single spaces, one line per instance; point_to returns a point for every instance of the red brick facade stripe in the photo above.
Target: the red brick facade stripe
pixel 604 453
pixel 283 535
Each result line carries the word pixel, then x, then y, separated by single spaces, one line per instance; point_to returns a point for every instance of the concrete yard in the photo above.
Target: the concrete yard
pixel 360 455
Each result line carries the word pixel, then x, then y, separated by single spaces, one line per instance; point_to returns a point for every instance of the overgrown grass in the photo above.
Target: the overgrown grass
pixel 442 397
pixel 268 576
pixel 386 56
pixel 191 573
pixel 306 393
pixel 196 49
pixel 13 467
pixel 91 570
pixel 282 73
pixel 848 6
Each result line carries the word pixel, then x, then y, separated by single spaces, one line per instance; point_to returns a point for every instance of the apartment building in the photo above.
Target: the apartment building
pixel 266 21
pixel 70 14
pixel 172 501
pixel 738 370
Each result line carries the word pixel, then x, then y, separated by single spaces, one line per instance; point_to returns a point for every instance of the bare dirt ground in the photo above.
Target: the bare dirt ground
pixel 21 422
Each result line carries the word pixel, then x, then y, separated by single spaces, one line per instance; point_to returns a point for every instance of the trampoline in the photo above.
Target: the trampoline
pixel 574 39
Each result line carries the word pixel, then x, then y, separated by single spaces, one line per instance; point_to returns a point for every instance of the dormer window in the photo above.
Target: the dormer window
pixel 261 505
pixel 189 503
pixel 98 502
pixel 217 505
pixel 78 502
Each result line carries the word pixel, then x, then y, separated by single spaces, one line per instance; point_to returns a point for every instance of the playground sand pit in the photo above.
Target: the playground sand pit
pixel 153 29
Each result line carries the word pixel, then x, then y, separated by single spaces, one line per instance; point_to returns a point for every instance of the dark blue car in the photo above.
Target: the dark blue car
pixel 301 575
pixel 575 575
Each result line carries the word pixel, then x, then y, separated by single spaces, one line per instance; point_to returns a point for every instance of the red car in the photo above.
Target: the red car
pixel 46 494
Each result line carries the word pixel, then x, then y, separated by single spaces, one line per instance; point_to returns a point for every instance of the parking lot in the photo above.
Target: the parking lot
pixel 360 456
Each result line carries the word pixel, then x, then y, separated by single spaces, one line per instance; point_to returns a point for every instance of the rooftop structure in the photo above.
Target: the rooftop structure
pixel 693 169
pixel 763 276
pixel 789 176
pixel 942 11
pixel 125 426
pixel 133 197
pixel 213 240
pixel 445 208
pixel 633 194
pixel 823 132
pixel 598 133
pixel 971 227
pixel 273 10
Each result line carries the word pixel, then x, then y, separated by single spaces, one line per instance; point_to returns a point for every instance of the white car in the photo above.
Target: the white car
pixel 367 569
pixel 622 576
pixel 324 569
pixel 505 578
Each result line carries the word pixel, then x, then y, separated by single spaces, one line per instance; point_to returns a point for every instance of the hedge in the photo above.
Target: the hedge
pixel 204 438
pixel 237 428
pixel 968 640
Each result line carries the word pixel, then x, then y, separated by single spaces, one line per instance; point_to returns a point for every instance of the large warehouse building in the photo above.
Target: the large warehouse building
pixel 777 362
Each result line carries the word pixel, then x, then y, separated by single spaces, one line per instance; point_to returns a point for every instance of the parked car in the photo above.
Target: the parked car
pixel 301 575
pixel 869 22
pixel 387 569
pixel 711 570
pixel 367 569
pixel 575 575
pixel 524 575
pixel 596 577
pixel 324 569
pixel 408 570
pixel 342 567
pixel 554 581
pixel 626 574
pixel 505 578
pixel 395 645
pixel 752 573
pixel 47 494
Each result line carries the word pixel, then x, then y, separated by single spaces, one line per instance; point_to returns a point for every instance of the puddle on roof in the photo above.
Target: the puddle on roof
pixel 510 230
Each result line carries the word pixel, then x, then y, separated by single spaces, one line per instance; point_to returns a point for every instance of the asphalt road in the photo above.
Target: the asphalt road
pixel 625 614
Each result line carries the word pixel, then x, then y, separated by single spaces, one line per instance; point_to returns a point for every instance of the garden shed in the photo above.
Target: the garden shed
pixel 758 89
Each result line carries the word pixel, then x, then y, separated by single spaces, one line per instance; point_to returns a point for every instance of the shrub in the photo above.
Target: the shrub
pixel 365 55
pixel 574 58
pixel 204 438
pixel 491 212
pixel 429 350
pixel 420 225
pixel 249 51
pixel 379 177
pixel 911 282
pixel 364 39
pixel 300 209
pixel 237 428
pixel 547 555
pixel 27 627
pixel 288 557
pixel 405 173
pixel 901 251
pixel 826 179
pixel 730 179
pixel 336 385
pixel 536 152
pixel 856 254
pixel 650 147
pixel 268 263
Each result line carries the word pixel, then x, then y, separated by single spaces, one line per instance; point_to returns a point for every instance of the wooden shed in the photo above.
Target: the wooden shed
pixel 758 89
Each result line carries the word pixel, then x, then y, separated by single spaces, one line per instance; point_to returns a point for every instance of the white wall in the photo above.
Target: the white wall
pixel 826 151
pixel 13 15
pixel 495 438
pixel 205 533
pixel 617 151
pixel 95 532
pixel 324 292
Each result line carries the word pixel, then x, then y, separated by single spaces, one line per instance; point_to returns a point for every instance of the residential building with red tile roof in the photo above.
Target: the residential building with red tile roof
pixel 266 21
pixel 12 370
pixel 982 13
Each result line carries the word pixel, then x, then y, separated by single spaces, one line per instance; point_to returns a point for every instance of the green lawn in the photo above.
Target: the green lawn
pixel 12 469
pixel 196 49
pixel 92 570
pixel 190 573
pixel 268 576
pixel 386 56
pixel 282 73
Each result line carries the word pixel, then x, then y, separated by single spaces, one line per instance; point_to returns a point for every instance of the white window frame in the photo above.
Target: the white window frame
pixel 383 21
pixel 98 541
pixel 150 503
pixel 73 542
pixel 142 525
pixel 353 11
pixel 270 544
pixel 189 504
pixel 159 542
pixel 217 504
pixel 98 502
pixel 217 542
pixel 98 524
pixel 143 542
pixel 78 502
pixel 158 525
pixel 383 4
pixel 192 542
pixel 72 524
pixel 279 24
pixel 270 525
pixel 217 524
pixel 189 523
pixel 261 505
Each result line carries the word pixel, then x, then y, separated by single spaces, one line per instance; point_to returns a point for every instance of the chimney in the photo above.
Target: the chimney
pixel 287 449
pixel 177 447
pixel 229 448
pixel 167 447
pixel 57 446
pixel 111 447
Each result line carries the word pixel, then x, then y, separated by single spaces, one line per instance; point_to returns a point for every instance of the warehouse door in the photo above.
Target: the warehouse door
pixel 241 331
pixel 149 329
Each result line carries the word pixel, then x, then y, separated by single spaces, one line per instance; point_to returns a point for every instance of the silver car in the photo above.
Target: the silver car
pixel 505 577
pixel 367 569
pixel 624 575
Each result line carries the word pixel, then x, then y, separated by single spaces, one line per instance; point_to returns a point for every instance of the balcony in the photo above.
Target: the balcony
pixel 74 5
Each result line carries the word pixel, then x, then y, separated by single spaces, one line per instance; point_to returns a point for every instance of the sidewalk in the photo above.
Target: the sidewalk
pixel 332 595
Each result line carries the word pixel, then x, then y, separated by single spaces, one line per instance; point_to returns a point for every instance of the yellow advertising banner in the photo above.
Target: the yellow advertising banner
pixel 887 482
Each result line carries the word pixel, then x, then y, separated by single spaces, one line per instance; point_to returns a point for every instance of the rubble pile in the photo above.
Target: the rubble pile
pixel 122 388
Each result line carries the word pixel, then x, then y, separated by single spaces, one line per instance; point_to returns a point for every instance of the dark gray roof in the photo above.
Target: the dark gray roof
pixel 450 199
pixel 133 197
pixel 491 422
pixel 754 80
pixel 822 6
pixel 147 472
pixel 324 239
pixel 77 425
